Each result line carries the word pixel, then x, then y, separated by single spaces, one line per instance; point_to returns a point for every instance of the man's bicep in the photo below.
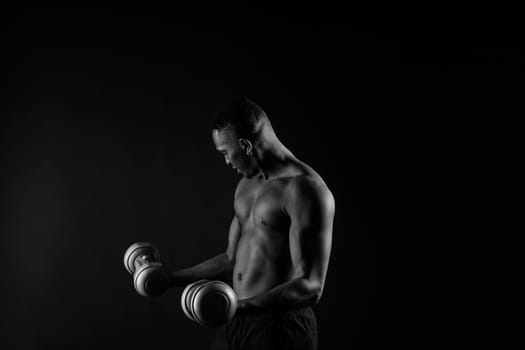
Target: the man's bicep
pixel 310 250
pixel 233 238
pixel 311 213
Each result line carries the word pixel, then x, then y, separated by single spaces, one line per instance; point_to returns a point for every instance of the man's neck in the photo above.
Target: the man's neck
pixel 273 159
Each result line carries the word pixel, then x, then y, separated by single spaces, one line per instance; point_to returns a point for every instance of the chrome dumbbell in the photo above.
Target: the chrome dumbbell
pixel 142 260
pixel 209 303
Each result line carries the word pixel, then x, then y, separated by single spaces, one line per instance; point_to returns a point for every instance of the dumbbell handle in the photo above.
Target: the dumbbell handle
pixel 142 260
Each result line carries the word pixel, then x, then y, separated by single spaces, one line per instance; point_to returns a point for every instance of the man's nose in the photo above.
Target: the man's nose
pixel 227 160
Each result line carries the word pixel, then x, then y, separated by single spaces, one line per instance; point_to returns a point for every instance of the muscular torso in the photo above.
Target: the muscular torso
pixel 263 252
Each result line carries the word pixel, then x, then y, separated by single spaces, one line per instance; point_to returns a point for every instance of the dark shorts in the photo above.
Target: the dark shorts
pixel 296 329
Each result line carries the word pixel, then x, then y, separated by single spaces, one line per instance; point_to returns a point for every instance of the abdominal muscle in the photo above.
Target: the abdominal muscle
pixel 262 262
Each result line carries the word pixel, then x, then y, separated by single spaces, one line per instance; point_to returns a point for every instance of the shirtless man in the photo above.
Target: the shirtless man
pixel 280 237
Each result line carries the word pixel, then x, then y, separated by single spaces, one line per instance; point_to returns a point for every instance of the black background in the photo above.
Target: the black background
pixel 106 140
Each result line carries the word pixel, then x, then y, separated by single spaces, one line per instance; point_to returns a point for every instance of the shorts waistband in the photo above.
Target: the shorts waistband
pixel 275 314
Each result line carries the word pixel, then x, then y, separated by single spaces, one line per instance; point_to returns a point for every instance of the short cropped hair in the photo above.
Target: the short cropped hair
pixel 243 115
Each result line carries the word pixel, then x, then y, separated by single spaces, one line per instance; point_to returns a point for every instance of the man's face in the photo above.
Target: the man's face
pixel 227 143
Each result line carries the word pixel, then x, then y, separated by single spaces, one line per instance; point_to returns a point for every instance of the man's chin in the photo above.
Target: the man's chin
pixel 249 175
pixel 246 174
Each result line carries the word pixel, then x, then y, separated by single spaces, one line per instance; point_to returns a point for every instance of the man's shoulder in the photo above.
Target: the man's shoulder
pixel 242 183
pixel 310 185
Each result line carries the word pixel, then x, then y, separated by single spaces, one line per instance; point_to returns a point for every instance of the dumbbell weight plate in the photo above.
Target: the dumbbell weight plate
pixel 143 277
pixel 186 297
pixel 191 298
pixel 213 304
pixel 136 250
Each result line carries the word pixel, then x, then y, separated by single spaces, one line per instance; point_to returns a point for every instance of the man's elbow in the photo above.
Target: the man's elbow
pixel 317 295
pixel 230 258
pixel 315 289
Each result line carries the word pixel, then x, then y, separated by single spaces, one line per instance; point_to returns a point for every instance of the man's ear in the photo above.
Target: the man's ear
pixel 246 146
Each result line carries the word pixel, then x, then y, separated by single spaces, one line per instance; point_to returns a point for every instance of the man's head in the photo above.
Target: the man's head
pixel 237 130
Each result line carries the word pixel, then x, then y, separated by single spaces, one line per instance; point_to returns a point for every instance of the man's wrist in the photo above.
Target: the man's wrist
pixel 248 306
pixel 179 278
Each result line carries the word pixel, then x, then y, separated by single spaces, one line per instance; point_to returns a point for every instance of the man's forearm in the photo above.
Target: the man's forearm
pixel 211 269
pixel 293 294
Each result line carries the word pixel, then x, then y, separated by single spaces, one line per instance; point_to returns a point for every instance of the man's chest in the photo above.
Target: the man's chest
pixel 262 206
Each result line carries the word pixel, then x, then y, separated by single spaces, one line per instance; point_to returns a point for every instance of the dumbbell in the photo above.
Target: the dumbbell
pixel 209 303
pixel 142 260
